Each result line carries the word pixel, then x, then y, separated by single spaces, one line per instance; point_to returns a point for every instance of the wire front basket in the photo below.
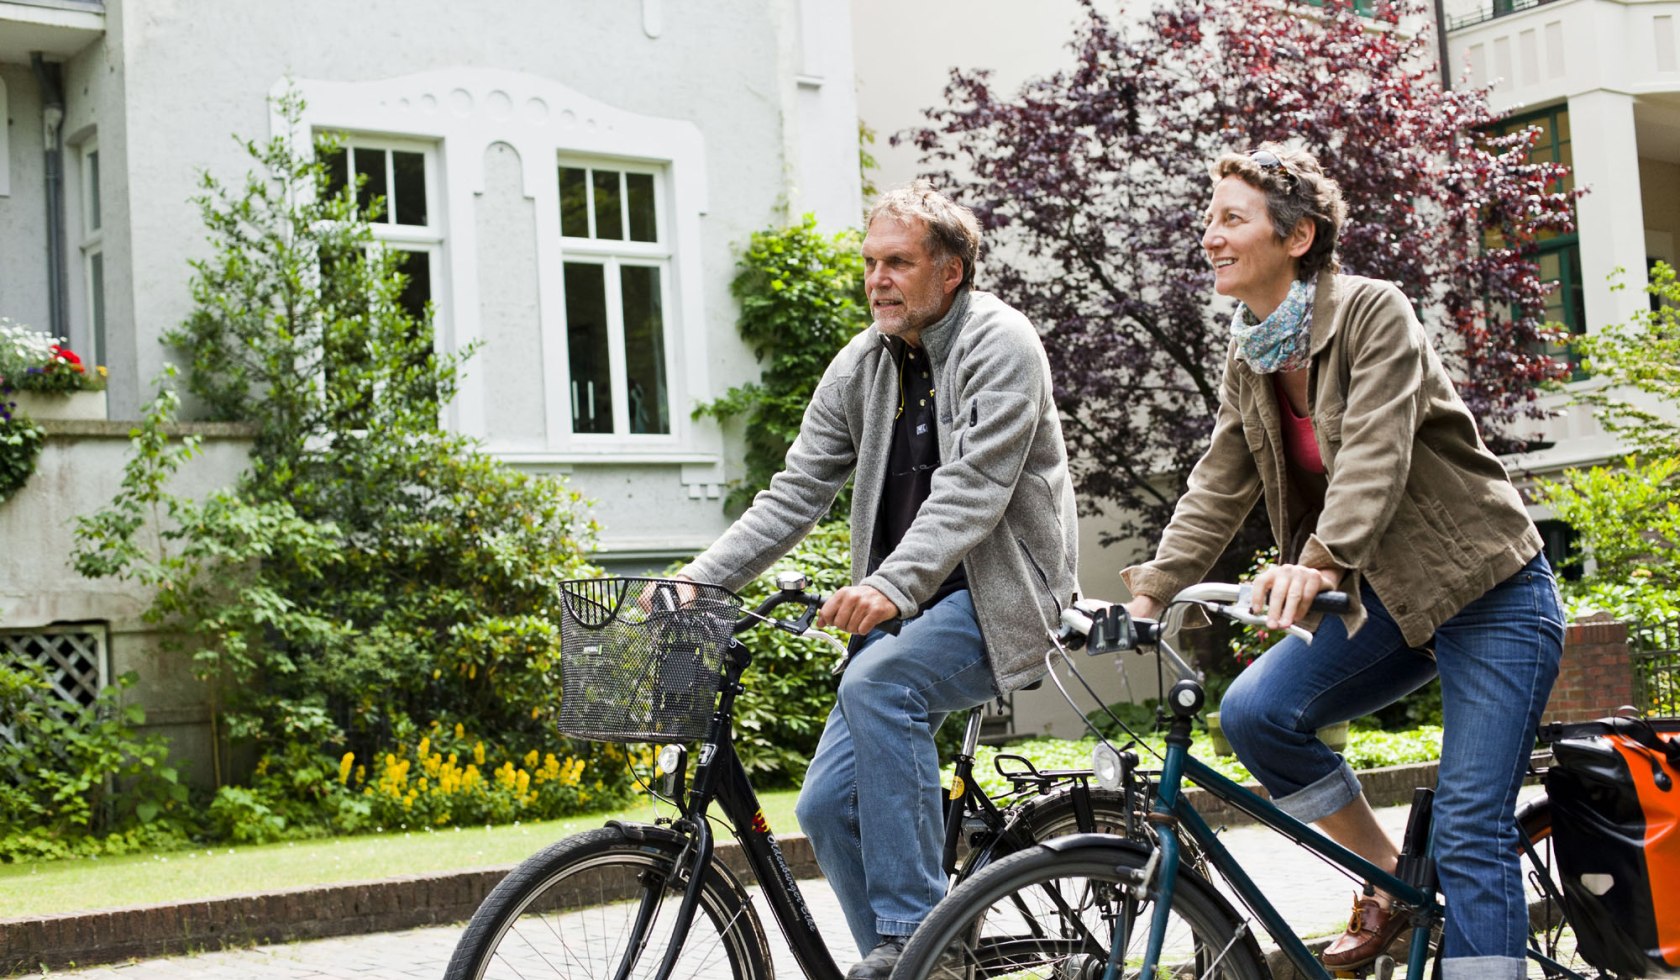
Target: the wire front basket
pixel 642 658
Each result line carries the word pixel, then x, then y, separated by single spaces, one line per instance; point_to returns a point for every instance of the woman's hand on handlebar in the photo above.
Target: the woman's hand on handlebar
pixel 1285 592
pixel 857 609
pixel 1145 607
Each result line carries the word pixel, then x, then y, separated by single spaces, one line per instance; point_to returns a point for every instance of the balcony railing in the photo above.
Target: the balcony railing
pixel 1496 9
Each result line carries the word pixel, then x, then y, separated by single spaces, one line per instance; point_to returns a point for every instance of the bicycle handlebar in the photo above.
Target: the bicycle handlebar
pixel 1111 629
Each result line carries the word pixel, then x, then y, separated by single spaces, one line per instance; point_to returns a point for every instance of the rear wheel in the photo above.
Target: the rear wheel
pixel 1051 912
pixel 599 906
pixel 1549 932
pixel 1057 814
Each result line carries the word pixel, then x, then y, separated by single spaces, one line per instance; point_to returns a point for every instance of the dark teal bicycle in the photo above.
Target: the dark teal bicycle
pixel 1094 906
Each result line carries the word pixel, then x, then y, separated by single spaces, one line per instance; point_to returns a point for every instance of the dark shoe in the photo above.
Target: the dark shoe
pixel 1371 930
pixel 878 965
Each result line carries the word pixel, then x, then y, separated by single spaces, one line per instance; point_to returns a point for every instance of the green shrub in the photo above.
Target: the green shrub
pixel 20 446
pixel 77 779
pixel 371 574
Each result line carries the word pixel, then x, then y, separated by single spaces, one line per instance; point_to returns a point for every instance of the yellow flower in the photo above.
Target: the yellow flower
pixel 344 766
pixel 478 753
pixel 460 732
pixel 425 746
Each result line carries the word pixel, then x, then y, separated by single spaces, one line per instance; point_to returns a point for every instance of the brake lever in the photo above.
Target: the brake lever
pixel 1239 611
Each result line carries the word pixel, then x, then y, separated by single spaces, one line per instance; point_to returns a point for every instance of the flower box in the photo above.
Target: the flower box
pixel 63 405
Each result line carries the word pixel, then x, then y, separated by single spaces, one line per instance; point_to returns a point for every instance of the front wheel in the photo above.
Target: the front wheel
pixel 600 906
pixel 1054 912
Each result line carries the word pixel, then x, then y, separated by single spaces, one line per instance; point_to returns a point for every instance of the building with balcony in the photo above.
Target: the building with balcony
pixel 1601 79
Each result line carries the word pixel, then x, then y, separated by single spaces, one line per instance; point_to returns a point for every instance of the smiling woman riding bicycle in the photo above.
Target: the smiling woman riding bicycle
pixel 1336 411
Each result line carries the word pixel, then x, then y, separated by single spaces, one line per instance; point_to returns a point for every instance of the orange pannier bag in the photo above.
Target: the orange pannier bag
pixel 1614 787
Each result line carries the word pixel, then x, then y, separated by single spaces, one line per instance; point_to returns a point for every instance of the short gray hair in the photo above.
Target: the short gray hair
pixel 1296 187
pixel 953 231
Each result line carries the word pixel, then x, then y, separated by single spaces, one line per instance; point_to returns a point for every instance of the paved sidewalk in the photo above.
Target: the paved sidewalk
pixel 1313 897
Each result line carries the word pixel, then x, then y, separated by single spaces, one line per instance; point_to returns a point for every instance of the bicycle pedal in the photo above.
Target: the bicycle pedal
pixel 1382 968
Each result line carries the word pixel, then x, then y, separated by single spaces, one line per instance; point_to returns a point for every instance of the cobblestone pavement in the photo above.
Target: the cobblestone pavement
pixel 1313 897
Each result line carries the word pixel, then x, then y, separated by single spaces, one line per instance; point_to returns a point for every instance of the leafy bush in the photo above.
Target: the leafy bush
pixel 20 446
pixel 789 690
pixel 1628 516
pixel 370 574
pixel 77 779
pixel 801 301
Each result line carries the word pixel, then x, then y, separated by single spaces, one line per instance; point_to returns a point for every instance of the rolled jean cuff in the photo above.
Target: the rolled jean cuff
pixel 894 927
pixel 1483 968
pixel 1324 797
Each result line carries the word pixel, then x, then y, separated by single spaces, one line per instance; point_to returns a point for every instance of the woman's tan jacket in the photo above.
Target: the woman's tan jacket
pixel 1416 505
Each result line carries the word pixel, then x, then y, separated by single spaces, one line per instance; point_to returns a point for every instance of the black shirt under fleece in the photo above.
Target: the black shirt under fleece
pixel 911 460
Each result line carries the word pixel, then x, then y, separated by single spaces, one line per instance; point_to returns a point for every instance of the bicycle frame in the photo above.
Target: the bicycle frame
pixel 720 777
pixel 1175 814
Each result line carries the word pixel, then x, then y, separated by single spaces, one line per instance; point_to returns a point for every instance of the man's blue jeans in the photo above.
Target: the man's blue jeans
pixel 1497 659
pixel 871 803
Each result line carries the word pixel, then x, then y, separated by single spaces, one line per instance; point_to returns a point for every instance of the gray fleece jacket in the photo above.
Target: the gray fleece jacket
pixel 1001 502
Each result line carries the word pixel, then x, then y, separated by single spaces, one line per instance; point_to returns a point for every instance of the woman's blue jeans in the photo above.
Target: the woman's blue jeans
pixel 871 803
pixel 1496 659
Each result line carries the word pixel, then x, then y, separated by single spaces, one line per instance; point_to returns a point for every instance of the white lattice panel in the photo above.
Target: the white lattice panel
pixel 74 658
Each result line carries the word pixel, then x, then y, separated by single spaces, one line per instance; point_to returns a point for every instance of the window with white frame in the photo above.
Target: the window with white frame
pixel 616 271
pixel 401 175
pixel 396 190
pixel 93 249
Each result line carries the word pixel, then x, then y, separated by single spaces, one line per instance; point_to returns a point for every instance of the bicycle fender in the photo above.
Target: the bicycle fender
pixel 1076 841
pixel 640 832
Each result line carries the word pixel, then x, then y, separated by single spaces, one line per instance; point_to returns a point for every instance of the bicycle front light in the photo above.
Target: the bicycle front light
pixel 672 760
pixel 1108 766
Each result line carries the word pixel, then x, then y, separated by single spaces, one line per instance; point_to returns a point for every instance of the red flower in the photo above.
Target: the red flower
pixel 69 357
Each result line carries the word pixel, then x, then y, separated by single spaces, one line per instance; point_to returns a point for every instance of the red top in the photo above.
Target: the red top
pixel 1299 443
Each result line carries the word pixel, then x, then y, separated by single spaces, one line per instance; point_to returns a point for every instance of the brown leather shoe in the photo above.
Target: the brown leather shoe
pixel 1371 930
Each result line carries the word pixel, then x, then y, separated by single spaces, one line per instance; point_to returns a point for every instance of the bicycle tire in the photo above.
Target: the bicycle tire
pixel 566 911
pixel 1549 931
pixel 1049 912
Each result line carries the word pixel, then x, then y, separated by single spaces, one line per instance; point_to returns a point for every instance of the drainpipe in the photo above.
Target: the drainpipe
pixel 1441 44
pixel 49 80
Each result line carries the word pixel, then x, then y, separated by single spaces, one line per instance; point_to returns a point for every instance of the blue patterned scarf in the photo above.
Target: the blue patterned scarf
pixel 1281 341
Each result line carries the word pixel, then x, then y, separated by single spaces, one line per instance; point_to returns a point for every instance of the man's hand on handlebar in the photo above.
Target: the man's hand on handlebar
pixel 857 609
pixel 1285 592
pixel 674 598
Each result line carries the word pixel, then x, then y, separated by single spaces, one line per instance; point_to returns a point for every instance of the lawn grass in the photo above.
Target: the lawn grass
pixel 45 888
pixel 30 890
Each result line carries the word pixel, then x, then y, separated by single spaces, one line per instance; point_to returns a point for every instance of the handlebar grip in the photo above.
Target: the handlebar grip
pixel 1332 602
pixel 891 626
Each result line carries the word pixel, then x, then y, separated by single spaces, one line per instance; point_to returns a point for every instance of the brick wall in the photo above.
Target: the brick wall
pixel 1596 676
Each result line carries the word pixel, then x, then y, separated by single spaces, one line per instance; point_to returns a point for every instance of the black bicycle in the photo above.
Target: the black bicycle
pixel 658 661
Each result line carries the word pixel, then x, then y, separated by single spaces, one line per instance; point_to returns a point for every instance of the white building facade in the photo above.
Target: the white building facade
pixel 570 182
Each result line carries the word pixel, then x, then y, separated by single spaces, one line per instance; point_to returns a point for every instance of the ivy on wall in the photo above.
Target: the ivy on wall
pixel 801 296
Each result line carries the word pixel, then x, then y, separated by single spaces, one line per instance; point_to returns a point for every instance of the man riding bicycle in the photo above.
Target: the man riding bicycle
pixel 962 516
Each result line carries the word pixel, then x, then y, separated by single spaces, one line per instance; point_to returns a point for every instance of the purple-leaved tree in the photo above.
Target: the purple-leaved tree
pixel 1092 183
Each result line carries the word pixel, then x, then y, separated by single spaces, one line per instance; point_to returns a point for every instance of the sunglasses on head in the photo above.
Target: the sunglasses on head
pixel 1271 163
